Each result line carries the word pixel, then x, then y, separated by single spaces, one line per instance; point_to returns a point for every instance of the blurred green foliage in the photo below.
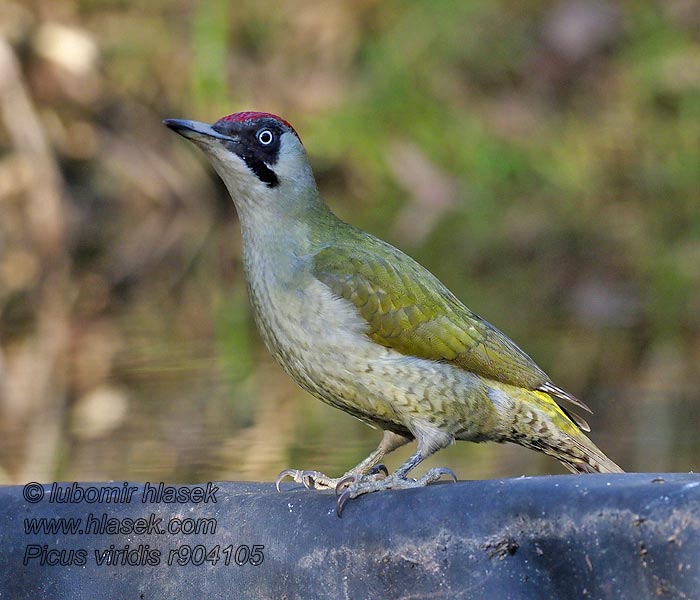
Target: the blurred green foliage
pixel 541 158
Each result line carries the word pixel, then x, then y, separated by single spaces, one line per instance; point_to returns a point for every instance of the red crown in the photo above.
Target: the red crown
pixel 254 116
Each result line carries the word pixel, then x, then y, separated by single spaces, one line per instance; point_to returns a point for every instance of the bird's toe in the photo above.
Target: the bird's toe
pixel 433 475
pixel 293 473
pixel 377 469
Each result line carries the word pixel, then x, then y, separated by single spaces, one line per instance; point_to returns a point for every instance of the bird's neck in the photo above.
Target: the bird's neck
pixel 276 238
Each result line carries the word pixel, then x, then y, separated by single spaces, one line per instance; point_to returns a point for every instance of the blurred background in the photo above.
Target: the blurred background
pixel 543 159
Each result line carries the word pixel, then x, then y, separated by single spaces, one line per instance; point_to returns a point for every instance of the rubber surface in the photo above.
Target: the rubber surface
pixel 591 536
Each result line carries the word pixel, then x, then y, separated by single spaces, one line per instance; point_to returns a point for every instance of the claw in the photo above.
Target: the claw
pixel 376 469
pixel 344 483
pixel 307 478
pixel 342 499
pixel 445 471
pixel 286 473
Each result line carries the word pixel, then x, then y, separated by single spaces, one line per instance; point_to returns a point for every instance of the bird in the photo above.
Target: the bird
pixel 365 328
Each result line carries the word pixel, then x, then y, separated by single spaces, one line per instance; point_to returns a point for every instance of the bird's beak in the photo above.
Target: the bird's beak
pixel 194 129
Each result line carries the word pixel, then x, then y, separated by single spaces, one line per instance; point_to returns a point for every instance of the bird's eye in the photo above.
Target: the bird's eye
pixel 265 137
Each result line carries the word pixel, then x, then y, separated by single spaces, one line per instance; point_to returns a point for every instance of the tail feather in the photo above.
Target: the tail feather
pixel 560 435
pixel 578 454
pixel 592 461
pixel 571 447
pixel 534 419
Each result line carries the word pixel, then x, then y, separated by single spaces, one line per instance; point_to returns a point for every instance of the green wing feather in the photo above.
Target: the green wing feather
pixel 408 309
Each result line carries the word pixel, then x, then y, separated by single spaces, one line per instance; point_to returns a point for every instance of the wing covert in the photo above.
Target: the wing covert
pixel 410 310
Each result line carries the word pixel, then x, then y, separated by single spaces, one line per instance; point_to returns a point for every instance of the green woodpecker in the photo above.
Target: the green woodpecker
pixel 363 327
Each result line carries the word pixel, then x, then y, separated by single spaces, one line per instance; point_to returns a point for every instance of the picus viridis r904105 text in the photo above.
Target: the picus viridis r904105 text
pixel 363 327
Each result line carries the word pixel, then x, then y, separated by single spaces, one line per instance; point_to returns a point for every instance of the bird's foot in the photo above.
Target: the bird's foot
pixel 353 486
pixel 315 480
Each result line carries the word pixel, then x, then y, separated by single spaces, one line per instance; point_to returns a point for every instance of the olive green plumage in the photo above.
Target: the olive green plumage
pixel 365 328
pixel 409 310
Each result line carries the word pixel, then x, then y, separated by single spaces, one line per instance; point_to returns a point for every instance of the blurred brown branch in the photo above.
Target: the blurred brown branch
pixel 34 384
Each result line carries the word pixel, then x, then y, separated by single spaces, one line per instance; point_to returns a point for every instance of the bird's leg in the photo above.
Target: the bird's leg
pixel 398 479
pixel 369 466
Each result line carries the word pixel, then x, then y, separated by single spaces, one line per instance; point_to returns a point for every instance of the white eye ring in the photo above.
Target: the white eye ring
pixel 265 137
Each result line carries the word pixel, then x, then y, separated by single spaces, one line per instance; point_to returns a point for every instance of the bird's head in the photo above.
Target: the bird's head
pixel 258 155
